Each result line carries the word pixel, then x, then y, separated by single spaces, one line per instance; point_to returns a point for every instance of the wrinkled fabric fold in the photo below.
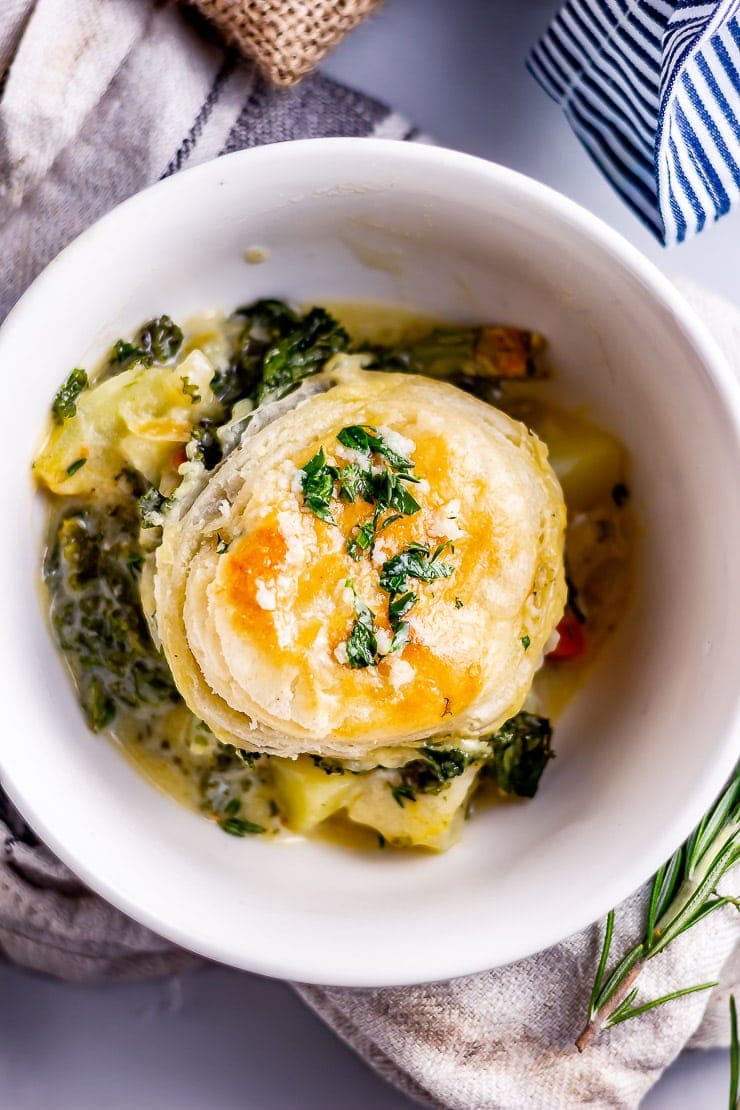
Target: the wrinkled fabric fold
pixel 96 108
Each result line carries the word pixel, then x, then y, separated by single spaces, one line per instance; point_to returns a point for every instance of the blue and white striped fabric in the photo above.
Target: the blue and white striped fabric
pixel 652 89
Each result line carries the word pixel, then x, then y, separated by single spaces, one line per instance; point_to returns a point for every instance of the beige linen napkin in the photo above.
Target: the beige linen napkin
pixel 100 101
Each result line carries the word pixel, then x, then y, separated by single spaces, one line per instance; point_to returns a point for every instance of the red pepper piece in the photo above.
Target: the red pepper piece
pixel 179 456
pixel 572 638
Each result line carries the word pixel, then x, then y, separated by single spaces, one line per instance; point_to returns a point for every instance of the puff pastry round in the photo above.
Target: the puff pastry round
pixel 252 602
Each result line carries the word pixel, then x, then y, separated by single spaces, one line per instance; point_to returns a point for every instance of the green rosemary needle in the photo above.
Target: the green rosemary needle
pixel 684 892
pixel 734 1054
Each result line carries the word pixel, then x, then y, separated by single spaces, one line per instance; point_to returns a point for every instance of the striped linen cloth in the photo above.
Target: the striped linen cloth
pixel 652 89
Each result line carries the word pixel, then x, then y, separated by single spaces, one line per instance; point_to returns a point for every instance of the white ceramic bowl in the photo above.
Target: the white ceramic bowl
pixel 646 745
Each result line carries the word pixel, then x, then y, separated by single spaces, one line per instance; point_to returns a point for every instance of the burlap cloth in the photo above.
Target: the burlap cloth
pixel 127 94
pixel 286 38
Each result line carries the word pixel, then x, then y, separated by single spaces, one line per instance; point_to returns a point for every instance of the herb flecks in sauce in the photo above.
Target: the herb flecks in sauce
pixel 97 617
pixel 75 466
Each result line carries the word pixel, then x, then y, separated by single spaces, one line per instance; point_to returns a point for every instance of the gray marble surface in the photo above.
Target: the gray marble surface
pixel 223 1040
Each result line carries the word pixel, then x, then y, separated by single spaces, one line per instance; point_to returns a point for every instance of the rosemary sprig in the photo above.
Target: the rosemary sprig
pixel 734 1055
pixel 684 892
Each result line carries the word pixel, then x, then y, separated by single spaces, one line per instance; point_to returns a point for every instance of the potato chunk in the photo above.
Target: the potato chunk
pixel 588 461
pixel 429 821
pixel 307 795
pixel 135 419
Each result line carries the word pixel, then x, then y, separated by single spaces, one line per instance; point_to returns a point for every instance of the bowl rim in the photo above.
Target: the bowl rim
pixel 349 971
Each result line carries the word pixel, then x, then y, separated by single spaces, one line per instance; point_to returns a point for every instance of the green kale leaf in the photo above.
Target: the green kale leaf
pixel 434 768
pixel 276 348
pixel 158 341
pixel 521 751
pixel 91 572
pixel 300 352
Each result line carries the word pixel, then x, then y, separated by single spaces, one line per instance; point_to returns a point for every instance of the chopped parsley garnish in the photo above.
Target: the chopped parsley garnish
pixel 318 486
pixel 365 438
pixel 400 605
pixel 526 642
pixel 417 561
pixel 75 466
pixel 355 481
pixel 388 520
pixel 64 406
pixel 385 488
pixel 458 603
pixel 382 488
pixel 362 540
pixel 401 637
pixel 222 546
pixel 362 643
pixel 388 491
